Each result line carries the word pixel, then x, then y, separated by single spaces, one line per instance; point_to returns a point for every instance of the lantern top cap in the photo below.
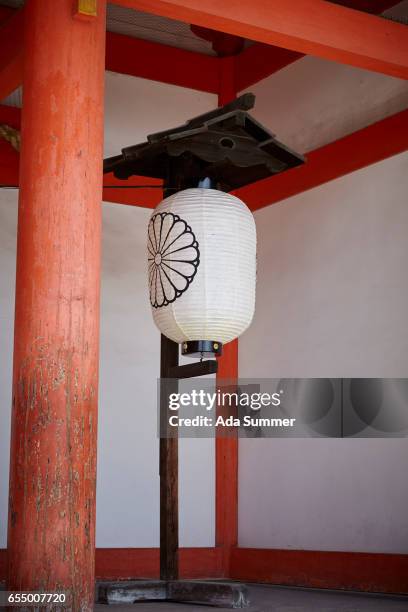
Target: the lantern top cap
pixel 226 144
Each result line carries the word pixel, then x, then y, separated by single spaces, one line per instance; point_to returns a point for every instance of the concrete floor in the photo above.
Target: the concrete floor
pixel 281 599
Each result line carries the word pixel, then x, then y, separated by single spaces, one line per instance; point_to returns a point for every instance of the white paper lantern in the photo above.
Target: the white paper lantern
pixel 202 268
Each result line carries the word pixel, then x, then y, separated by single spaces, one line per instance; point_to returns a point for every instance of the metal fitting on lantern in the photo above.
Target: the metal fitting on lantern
pixel 201 349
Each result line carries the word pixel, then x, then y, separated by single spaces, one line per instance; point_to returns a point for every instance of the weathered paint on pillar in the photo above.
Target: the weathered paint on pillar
pixel 51 535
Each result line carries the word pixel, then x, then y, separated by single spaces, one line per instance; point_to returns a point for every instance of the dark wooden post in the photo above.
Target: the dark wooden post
pixel 169 357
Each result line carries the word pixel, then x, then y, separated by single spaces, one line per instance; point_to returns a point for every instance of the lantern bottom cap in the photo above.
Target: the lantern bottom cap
pixel 201 348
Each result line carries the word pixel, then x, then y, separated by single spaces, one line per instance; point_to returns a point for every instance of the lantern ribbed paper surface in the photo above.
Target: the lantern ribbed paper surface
pixel 202 266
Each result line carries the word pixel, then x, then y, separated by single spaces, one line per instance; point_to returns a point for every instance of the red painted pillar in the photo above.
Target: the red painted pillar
pixel 227 89
pixel 226 449
pixel 54 417
pixel 226 481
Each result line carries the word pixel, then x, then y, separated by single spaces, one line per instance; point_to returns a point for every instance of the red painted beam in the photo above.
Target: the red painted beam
pixel 11 116
pixel 147 198
pixel 3 564
pixel 9 157
pixel 375 572
pixel 357 150
pixel 9 163
pixel 11 51
pixel 123 563
pixel 124 55
pixel 163 63
pixel 260 60
pixel 314 27
pixel 128 563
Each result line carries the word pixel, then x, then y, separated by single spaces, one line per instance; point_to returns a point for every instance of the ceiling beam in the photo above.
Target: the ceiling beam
pixel 125 193
pixel 259 60
pixel 158 62
pixel 314 27
pixel 367 146
pixel 9 157
pixel 9 162
pixel 124 55
pixel 11 116
pixel 11 50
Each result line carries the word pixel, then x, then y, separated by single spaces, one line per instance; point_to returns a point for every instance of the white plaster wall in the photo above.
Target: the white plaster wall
pixel 332 301
pixel 313 101
pixel 8 224
pixel 128 483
